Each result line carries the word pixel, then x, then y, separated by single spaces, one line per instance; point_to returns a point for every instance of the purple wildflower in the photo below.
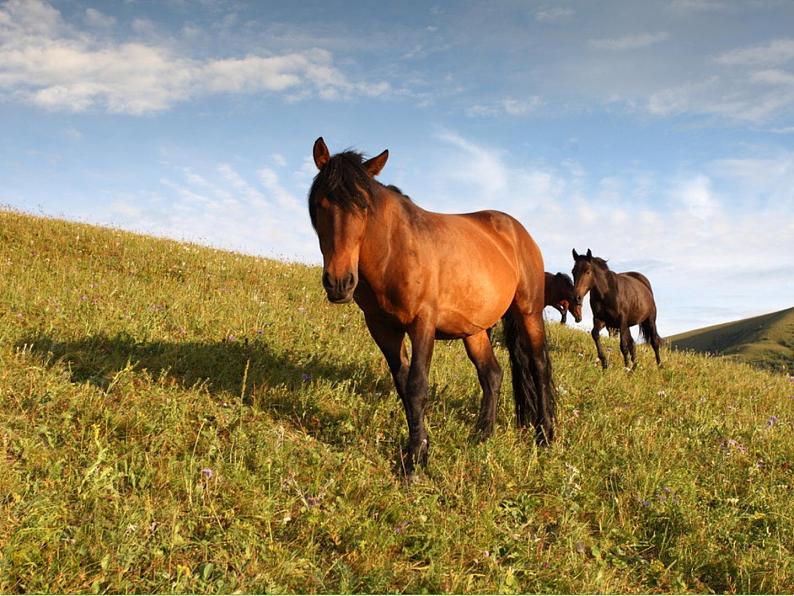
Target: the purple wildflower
pixel 306 377
pixel 772 421
pixel 400 528
pixel 207 473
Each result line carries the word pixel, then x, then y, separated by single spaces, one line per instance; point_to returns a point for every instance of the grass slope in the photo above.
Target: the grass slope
pixel 179 419
pixel 766 341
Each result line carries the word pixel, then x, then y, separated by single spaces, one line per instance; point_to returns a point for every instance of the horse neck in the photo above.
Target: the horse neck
pixel 604 284
pixel 386 227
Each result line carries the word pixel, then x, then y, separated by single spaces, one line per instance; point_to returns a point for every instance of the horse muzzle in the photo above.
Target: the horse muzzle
pixel 340 289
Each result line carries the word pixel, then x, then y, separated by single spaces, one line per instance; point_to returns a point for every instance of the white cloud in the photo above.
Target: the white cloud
pixel 95 18
pixel 508 106
pixel 683 236
pixel 629 42
pixel 46 62
pixel 221 208
pixel 685 7
pixel 552 14
pixel 778 51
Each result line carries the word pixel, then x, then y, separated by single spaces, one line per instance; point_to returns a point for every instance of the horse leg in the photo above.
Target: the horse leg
pixel 489 373
pixel 632 350
pixel 598 325
pixel 625 339
pixel 564 312
pixel 653 337
pixel 422 334
pixel 391 343
pixel 533 392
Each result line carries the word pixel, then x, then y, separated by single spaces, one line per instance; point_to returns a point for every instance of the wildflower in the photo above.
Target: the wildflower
pixel 772 421
pixel 207 473
pixel 306 377
pixel 231 337
pixel 400 528
pixel 661 393
pixel 734 444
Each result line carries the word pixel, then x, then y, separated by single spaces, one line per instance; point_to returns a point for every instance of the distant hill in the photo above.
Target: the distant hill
pixel 766 340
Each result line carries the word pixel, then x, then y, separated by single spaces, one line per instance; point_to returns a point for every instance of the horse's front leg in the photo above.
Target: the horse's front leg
pixel 422 334
pixel 625 339
pixel 563 311
pixel 391 343
pixel 598 325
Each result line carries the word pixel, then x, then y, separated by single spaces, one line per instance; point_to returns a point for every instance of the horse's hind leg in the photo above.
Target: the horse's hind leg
pixel 653 337
pixel 489 373
pixel 627 347
pixel 531 369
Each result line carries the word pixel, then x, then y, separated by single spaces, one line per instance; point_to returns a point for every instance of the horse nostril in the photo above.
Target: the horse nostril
pixel 327 281
pixel 349 282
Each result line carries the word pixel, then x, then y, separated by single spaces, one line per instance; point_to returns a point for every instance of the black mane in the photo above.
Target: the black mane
pixel 566 277
pixel 601 263
pixel 343 181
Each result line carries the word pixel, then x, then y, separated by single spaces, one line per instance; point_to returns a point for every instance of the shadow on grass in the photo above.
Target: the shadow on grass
pixel 269 380
pixel 276 382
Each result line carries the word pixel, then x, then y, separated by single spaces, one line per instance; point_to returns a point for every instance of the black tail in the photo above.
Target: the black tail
pixel 533 390
pixel 648 332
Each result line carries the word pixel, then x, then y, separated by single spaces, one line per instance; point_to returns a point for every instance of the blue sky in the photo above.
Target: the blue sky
pixel 658 134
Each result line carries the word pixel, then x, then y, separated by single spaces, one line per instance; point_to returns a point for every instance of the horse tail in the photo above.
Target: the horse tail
pixel 649 333
pixel 533 390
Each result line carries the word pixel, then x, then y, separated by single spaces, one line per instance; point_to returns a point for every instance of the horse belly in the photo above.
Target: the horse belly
pixel 467 309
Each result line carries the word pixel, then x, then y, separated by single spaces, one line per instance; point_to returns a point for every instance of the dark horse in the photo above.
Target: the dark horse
pixel 618 300
pixel 433 276
pixel 559 295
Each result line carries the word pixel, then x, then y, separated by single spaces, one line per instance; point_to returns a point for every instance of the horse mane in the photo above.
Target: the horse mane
pixel 343 181
pixel 399 192
pixel 565 276
pixel 601 263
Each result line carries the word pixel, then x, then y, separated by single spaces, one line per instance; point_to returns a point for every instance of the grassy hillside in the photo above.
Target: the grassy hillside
pixel 179 419
pixel 766 341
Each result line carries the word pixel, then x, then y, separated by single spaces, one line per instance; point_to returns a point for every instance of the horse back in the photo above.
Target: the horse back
pixel 640 277
pixel 635 296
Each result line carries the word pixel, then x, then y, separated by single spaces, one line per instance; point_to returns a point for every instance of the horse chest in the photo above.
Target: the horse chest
pixel 604 311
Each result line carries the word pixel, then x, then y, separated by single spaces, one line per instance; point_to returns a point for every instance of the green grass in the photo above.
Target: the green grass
pixel 179 419
pixel 766 341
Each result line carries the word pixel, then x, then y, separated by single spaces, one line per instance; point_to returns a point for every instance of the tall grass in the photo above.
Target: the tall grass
pixel 179 419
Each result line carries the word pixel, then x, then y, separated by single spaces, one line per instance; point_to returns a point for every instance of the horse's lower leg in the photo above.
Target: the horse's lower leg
pixel 595 334
pixel 624 345
pixel 489 373
pixel 537 393
pixel 655 341
pixel 422 338
pixel 632 351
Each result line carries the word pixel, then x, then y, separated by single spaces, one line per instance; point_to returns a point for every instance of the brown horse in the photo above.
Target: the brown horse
pixel 559 295
pixel 618 300
pixel 433 276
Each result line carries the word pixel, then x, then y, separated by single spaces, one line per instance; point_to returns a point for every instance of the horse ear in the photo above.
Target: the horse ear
pixel 589 254
pixel 375 165
pixel 575 254
pixel 321 154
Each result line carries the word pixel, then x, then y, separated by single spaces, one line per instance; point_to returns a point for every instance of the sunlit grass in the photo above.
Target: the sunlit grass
pixel 178 419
